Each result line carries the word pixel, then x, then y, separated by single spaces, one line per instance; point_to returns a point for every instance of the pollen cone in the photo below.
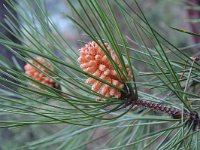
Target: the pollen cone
pixel 94 61
pixel 33 73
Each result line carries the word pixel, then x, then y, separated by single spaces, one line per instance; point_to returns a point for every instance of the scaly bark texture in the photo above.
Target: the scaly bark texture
pixel 192 118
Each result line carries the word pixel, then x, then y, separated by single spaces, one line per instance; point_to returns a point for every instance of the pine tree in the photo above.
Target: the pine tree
pixel 122 87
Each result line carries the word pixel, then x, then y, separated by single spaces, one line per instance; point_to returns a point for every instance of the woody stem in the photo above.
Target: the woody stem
pixel 175 113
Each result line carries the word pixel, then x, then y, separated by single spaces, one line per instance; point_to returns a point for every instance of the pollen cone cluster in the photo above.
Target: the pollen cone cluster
pixel 94 61
pixel 33 73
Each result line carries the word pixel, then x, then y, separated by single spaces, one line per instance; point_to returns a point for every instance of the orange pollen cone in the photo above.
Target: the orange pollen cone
pixel 33 73
pixel 94 61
